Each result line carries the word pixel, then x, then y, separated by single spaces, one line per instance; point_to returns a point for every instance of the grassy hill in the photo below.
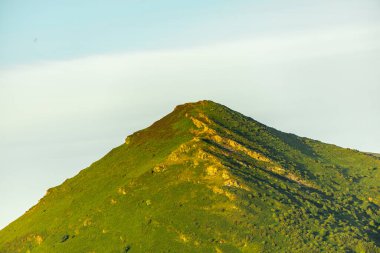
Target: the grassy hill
pixel 208 179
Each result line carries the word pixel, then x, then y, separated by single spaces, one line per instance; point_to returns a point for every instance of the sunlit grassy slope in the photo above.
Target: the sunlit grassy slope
pixel 208 179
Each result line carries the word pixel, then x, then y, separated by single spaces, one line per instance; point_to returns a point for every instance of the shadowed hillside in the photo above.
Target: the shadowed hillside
pixel 207 179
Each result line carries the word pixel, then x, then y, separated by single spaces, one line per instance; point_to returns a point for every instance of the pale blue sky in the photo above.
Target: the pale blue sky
pixel 67 29
pixel 49 30
pixel 77 77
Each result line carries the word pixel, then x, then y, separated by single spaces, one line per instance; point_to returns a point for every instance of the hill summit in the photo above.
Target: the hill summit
pixel 208 179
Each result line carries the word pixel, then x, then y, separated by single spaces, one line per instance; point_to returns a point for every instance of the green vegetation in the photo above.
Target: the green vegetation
pixel 208 179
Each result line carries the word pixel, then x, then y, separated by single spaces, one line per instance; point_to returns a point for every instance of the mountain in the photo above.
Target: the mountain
pixel 374 154
pixel 208 179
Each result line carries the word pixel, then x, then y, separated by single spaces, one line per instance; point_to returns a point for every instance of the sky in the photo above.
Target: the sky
pixel 77 77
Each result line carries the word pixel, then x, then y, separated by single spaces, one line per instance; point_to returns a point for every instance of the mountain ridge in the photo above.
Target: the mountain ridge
pixel 248 186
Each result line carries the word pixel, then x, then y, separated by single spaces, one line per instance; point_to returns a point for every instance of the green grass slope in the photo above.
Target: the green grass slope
pixel 208 179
